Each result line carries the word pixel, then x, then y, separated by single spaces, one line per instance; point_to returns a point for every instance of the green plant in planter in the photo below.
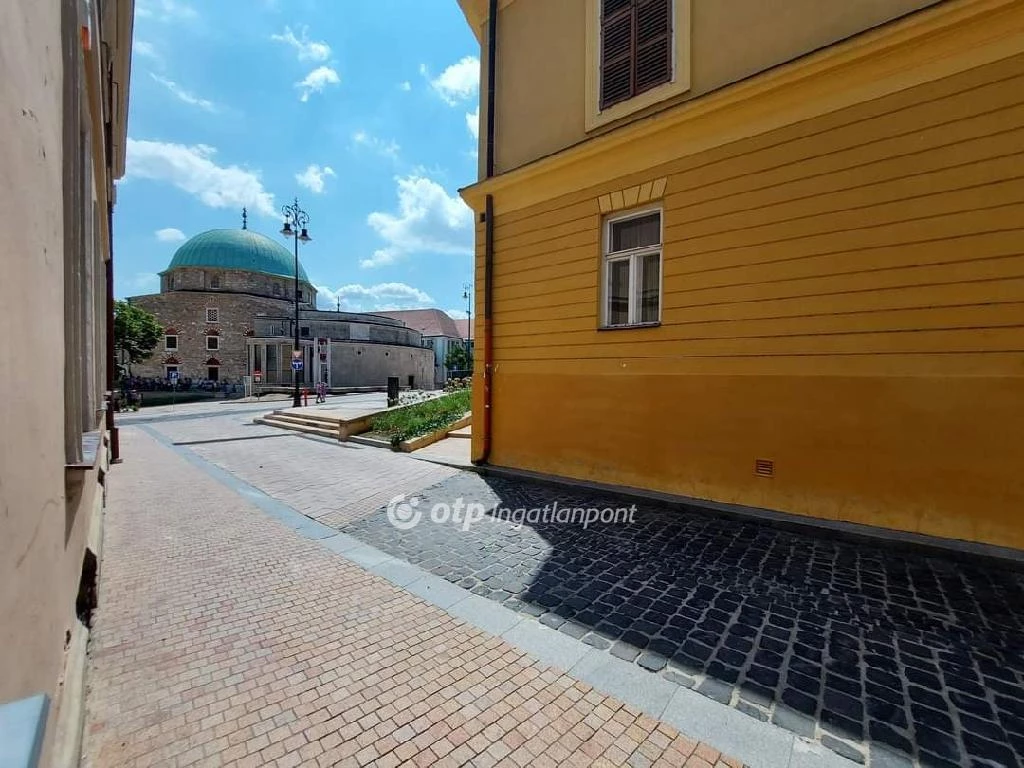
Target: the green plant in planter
pixel 423 418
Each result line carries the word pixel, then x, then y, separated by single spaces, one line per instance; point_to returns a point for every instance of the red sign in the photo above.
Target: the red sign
pixel 257 376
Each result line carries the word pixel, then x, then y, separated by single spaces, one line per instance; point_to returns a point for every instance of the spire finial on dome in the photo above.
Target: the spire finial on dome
pixel 245 219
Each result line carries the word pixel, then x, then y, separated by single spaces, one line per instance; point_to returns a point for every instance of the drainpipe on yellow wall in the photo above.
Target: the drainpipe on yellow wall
pixel 492 49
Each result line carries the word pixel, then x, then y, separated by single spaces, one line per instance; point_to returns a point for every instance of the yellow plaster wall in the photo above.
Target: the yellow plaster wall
pixel 843 296
pixel 541 103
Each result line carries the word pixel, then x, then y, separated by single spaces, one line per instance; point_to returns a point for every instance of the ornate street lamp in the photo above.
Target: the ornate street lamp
pixel 295 226
pixel 467 294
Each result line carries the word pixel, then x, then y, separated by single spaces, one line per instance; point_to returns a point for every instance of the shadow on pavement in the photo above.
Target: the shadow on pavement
pixel 867 649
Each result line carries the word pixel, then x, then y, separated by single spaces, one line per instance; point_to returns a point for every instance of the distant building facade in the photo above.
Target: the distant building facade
pixel 341 349
pixel 226 304
pixel 440 334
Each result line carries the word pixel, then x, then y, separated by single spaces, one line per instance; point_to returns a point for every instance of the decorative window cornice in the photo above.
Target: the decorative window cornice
pixel 631 197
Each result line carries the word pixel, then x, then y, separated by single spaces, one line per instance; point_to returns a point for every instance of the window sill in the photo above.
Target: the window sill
pixel 630 327
pixel 91 443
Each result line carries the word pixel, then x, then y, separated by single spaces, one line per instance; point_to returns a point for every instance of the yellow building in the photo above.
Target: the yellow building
pixel 769 254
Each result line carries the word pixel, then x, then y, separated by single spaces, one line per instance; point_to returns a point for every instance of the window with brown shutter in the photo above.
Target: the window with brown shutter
pixel 636 48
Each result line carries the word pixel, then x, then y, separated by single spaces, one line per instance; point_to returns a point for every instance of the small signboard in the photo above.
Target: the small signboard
pixel 296 365
pixel 173 376
pixel 296 354
pixel 257 376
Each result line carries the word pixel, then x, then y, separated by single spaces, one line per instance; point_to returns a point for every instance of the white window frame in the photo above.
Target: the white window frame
pixel 635 257
pixel 215 347
pixel 171 336
pixel 215 316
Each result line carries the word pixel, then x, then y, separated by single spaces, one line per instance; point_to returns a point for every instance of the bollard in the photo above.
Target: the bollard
pixel 392 391
pixel 305 396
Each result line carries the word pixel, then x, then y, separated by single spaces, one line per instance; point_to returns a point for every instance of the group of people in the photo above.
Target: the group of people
pixel 132 387
pixel 185 384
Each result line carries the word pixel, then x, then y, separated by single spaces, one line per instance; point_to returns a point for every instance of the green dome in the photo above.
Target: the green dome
pixel 240 249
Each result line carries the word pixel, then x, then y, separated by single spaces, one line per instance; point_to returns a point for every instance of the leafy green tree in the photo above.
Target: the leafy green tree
pixel 136 332
pixel 457 359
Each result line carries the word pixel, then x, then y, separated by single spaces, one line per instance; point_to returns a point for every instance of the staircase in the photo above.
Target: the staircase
pixel 309 424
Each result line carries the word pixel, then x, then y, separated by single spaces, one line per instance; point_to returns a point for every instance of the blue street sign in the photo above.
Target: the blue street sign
pixel 296 365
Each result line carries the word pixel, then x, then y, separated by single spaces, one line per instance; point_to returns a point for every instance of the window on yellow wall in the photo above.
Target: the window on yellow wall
pixel 637 54
pixel 636 48
pixel 632 269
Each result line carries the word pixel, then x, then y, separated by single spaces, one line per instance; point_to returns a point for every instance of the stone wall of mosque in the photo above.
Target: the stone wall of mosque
pixel 229 281
pixel 204 330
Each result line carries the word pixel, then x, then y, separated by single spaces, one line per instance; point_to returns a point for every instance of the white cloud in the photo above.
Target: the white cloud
pixel 316 81
pixel 369 298
pixel 428 219
pixel 459 82
pixel 191 169
pixel 183 95
pixel 381 258
pixel 314 177
pixel 387 148
pixel 164 10
pixel 308 50
pixel 473 123
pixel 405 86
pixel 145 48
pixel 170 235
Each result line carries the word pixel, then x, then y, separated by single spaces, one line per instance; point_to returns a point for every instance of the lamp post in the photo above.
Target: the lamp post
pixel 295 226
pixel 467 294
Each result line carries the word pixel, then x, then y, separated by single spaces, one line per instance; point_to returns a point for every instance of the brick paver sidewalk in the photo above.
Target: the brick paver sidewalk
pixel 225 638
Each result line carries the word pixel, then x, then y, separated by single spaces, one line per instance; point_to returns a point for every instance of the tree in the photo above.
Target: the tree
pixel 136 332
pixel 457 359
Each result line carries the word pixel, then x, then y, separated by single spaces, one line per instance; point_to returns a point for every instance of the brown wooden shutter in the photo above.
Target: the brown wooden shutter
pixel 636 47
pixel 653 44
pixel 617 51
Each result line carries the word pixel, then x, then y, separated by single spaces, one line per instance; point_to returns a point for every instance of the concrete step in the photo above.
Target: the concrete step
pixel 305 416
pixel 303 421
pixel 297 426
pixel 465 432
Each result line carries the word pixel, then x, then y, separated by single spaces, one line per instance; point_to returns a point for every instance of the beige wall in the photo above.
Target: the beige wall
pixel 542 60
pixel 53 295
pixel 369 365
pixel 36 602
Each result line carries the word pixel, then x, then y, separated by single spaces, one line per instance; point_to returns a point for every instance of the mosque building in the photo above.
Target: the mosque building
pixel 227 308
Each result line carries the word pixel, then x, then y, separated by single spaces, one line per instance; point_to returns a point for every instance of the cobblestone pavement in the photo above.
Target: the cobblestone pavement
pixel 222 637
pixel 883 656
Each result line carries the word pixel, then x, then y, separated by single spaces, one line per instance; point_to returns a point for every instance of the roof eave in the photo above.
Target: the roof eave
pixel 475 12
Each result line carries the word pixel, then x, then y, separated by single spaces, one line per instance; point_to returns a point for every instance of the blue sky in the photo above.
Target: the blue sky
pixel 366 110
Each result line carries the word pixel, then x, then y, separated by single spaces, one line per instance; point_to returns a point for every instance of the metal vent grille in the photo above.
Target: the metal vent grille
pixel 764 467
